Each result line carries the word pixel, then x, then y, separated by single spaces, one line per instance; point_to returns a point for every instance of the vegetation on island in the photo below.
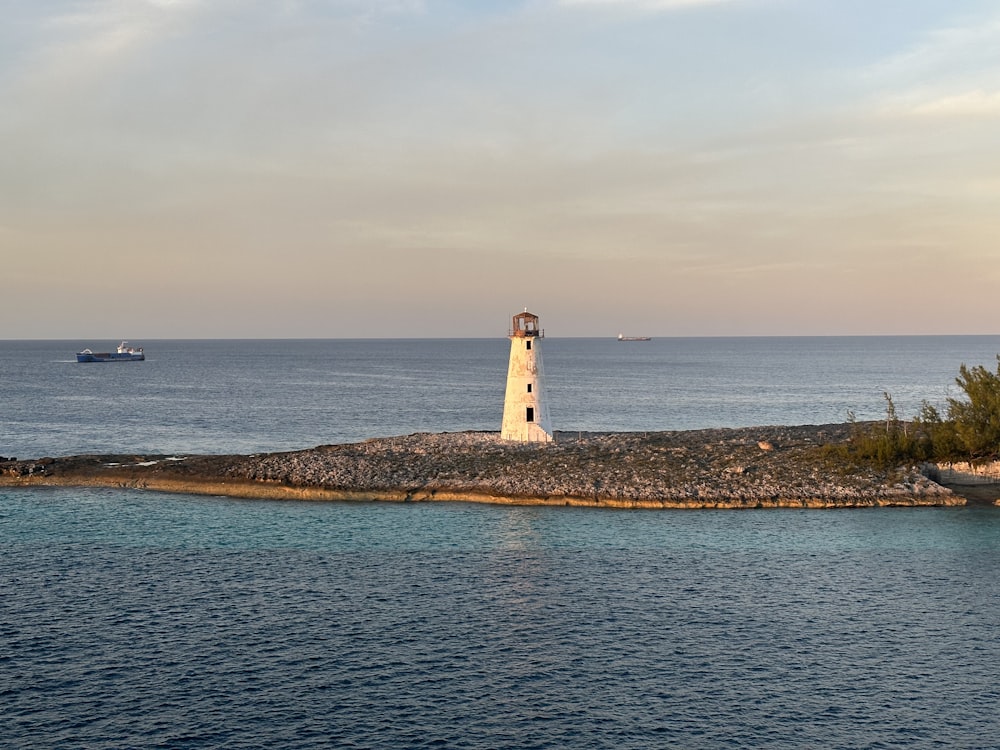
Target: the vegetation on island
pixel 969 430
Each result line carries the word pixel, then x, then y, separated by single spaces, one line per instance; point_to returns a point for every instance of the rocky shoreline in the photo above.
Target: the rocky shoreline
pixel 758 467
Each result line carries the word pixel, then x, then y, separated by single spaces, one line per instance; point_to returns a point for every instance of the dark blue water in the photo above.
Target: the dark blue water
pixel 134 619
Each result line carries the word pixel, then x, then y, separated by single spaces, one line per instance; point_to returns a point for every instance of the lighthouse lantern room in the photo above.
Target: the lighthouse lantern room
pixel 525 408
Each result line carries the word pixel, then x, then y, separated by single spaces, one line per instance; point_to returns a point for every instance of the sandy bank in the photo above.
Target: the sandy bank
pixel 756 467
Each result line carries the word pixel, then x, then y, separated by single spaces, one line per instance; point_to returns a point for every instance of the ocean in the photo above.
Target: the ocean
pixel 254 396
pixel 138 619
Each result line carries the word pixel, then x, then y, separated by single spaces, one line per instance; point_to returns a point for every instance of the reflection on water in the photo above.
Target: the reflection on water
pixel 517 530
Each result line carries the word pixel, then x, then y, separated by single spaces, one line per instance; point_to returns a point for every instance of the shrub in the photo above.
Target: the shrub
pixel 935 435
pixel 886 443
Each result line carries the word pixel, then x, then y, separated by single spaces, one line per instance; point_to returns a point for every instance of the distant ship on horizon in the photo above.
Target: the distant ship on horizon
pixel 125 353
pixel 623 337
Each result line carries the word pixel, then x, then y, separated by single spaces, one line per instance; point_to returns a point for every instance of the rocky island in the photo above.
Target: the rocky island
pixel 758 467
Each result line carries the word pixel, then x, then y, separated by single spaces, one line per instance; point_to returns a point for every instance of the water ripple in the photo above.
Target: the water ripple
pixel 595 630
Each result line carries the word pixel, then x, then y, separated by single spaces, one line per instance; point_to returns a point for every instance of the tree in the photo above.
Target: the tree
pixel 977 419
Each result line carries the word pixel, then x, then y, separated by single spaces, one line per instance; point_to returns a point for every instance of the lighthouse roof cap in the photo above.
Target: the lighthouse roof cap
pixel 525 324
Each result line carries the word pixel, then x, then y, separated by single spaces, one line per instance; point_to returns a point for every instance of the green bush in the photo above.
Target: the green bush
pixel 887 443
pixel 936 436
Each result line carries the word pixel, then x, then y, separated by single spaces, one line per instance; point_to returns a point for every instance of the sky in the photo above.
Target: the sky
pixel 428 168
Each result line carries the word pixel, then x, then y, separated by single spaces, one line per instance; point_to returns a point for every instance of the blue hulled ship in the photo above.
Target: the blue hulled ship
pixel 125 353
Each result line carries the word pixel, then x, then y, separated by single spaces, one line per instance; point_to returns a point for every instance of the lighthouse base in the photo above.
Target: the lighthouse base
pixel 522 433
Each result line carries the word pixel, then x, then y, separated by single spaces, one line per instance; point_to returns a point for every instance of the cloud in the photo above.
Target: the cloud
pixel 73 45
pixel 971 48
pixel 950 72
pixel 72 38
pixel 640 5
pixel 969 104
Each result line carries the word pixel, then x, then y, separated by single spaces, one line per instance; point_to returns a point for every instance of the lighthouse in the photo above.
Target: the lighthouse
pixel 525 409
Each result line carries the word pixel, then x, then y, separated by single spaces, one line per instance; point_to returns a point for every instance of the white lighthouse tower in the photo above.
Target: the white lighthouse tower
pixel 525 409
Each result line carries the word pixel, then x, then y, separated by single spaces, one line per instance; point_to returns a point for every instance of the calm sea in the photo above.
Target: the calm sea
pixel 135 619
pixel 249 396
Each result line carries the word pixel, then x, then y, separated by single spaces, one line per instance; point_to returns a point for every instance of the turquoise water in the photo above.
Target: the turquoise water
pixel 137 520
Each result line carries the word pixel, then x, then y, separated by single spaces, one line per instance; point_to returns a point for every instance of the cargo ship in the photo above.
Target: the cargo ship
pixel 623 337
pixel 125 353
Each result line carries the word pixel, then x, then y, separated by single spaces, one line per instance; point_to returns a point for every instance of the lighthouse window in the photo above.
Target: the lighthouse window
pixel 531 414
pixel 529 387
pixel 527 344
